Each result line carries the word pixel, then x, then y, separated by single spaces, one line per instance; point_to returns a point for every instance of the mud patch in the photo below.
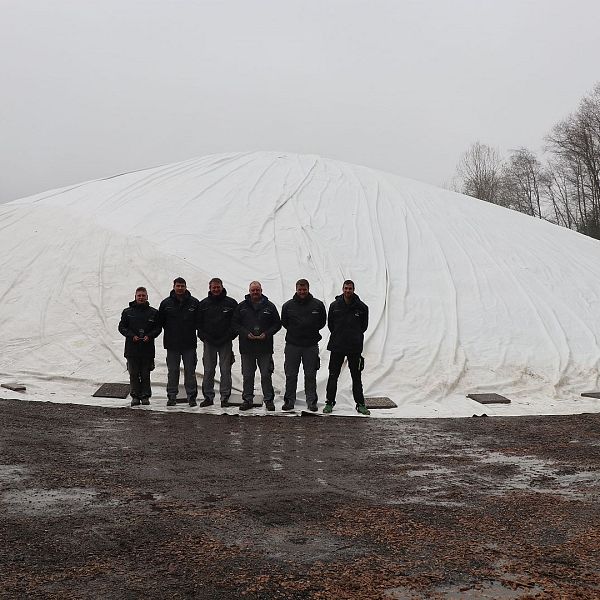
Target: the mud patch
pixel 47 502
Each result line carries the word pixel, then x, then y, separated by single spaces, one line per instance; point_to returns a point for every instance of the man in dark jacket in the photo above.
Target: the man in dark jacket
pixel 303 316
pixel 256 320
pixel 179 318
pixel 348 319
pixel 140 325
pixel 216 332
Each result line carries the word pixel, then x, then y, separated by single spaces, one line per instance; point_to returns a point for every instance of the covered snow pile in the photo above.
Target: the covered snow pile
pixel 464 296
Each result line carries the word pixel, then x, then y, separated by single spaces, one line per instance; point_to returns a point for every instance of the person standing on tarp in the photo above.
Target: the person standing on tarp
pixel 256 320
pixel 303 316
pixel 347 319
pixel 140 325
pixel 179 319
pixel 216 332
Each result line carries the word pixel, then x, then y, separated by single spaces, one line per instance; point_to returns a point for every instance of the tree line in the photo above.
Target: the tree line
pixel 562 187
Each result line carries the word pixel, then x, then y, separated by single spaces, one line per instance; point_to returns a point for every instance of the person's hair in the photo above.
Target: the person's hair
pixel 303 282
pixel 179 280
pixel 349 282
pixel 257 283
pixel 141 289
pixel 215 280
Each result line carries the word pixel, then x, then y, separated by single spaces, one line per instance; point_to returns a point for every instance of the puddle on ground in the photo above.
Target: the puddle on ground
pixel 426 500
pixel 493 590
pixel 542 476
pixel 11 474
pixel 38 501
pixel 429 470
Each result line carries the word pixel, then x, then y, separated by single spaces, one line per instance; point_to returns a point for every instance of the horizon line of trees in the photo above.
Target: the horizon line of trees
pixel 562 187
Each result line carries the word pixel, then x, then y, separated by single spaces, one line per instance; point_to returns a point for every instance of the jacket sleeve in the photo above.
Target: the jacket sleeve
pixel 284 315
pixel 161 315
pixel 322 316
pixel 330 319
pixel 200 323
pixel 124 325
pixel 156 329
pixel 276 324
pixel 236 323
pixel 364 321
pixel 232 331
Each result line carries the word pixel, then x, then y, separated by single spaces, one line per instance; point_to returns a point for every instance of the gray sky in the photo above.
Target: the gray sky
pixel 91 88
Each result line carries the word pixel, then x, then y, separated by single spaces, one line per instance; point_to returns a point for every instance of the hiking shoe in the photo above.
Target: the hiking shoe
pixel 269 405
pixel 135 402
pixel 287 406
pixel 192 402
pixel 362 409
pixel 145 401
pixel 171 402
pixel 327 408
pixel 206 402
pixel 312 407
pixel 246 405
pixel 225 402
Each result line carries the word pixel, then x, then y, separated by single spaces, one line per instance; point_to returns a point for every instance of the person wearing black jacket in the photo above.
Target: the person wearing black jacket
pixel 256 321
pixel 216 332
pixel 303 316
pixel 347 319
pixel 178 314
pixel 140 325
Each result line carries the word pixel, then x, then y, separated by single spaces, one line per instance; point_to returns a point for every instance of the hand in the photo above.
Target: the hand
pixel 146 338
pixel 262 336
pixel 136 338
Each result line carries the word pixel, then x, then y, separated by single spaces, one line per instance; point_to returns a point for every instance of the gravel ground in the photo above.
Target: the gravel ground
pixel 104 503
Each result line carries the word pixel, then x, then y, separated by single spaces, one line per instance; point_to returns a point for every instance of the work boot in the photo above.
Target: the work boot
pixel 225 402
pixel 287 406
pixel 171 401
pixel 312 407
pixel 192 402
pixel 362 409
pixel 145 401
pixel 206 402
pixel 327 408
pixel 135 402
pixel 269 405
pixel 246 405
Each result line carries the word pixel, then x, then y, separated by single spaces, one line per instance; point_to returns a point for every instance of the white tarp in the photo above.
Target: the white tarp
pixel 464 296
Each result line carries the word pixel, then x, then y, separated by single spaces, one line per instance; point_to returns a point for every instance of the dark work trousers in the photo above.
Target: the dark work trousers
pixel 139 376
pixel 336 360
pixel 190 359
pixel 309 356
pixel 209 360
pixel 266 367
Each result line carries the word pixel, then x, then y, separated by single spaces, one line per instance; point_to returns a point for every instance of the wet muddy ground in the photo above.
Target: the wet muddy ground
pixel 104 503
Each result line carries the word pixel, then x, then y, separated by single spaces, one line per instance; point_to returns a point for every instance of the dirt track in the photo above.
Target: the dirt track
pixel 102 503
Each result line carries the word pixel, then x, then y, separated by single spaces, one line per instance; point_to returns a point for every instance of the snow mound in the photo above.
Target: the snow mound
pixel 464 296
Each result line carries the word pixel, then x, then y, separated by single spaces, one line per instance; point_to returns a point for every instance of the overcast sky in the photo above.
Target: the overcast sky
pixel 91 88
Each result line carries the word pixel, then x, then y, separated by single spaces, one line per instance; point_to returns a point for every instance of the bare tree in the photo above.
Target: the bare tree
pixel 523 183
pixel 575 144
pixel 480 173
pixel 564 190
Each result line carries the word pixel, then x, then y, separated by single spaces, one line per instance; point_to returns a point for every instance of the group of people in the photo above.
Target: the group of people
pixel 218 319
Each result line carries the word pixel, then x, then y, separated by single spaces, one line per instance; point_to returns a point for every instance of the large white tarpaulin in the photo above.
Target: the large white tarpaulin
pixel 464 296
